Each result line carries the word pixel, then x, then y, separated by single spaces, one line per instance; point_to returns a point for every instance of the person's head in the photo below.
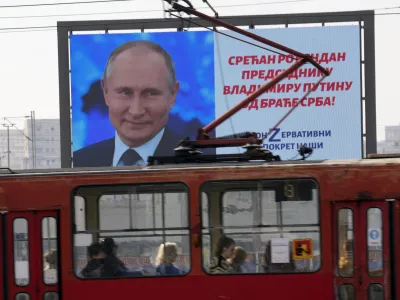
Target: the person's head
pixel 95 251
pixel 140 88
pixel 239 255
pixel 51 258
pixel 225 247
pixel 109 246
pixel 167 253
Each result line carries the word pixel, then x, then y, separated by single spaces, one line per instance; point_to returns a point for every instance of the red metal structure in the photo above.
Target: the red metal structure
pixel 203 139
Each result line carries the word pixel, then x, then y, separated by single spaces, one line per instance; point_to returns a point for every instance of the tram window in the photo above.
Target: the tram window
pixel 272 225
pixel 22 296
pixel 138 220
pixel 375 250
pixel 50 296
pixel 347 292
pixel 375 292
pixel 345 250
pixel 49 248
pixel 21 251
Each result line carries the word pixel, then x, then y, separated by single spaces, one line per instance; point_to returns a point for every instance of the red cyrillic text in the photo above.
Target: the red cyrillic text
pixel 270 74
pixel 289 87
pixel 291 102
pixel 278 59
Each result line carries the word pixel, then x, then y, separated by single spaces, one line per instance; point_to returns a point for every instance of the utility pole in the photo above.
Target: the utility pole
pixel 33 125
pixel 8 141
pixel 13 125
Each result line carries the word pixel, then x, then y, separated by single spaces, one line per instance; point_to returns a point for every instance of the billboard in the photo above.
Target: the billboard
pixel 215 72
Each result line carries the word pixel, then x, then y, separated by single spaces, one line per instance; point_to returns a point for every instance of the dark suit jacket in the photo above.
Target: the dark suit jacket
pixel 101 154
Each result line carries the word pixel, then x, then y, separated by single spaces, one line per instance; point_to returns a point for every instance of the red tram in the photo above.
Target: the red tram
pixel 304 229
pixel 350 210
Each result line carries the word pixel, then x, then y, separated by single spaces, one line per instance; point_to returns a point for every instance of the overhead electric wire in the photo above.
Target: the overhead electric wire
pixel 110 1
pixel 148 10
pixel 62 3
pixel 54 27
pixel 233 37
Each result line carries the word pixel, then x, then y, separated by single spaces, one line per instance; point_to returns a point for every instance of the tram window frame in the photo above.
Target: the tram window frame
pixel 155 188
pixel 48 230
pixel 15 241
pixel 244 185
pixel 377 272
pixel 345 270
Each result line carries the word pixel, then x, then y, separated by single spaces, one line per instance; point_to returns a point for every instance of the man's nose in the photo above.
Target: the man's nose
pixel 136 107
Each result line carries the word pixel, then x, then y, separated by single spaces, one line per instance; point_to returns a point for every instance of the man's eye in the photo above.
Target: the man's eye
pixel 124 92
pixel 152 93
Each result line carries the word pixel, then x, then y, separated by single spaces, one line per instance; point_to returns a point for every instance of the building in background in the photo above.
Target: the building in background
pixel 40 149
pixel 12 147
pixel 27 149
pixel 43 151
pixel 391 144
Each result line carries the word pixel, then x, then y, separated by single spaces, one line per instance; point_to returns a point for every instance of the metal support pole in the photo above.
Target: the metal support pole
pixel 33 139
pixel 8 142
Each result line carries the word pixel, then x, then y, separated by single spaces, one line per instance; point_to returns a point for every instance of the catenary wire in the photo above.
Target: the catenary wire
pixel 236 38
pixel 159 10
pixel 54 27
pixel 110 1
pixel 63 3
pixel 147 10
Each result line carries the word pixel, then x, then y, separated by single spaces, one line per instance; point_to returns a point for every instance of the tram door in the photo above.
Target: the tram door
pixel 2 246
pixel 361 250
pixel 31 258
pixel 396 246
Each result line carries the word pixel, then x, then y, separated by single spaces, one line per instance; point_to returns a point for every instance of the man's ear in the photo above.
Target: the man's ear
pixel 175 91
pixel 104 87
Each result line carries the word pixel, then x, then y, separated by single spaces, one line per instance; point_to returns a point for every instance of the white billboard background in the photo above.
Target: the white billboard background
pixel 335 130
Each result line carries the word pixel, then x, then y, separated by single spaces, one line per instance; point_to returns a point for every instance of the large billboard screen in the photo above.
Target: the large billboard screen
pixel 129 93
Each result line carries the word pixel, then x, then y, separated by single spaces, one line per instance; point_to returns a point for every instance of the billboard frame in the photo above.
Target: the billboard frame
pixel 365 19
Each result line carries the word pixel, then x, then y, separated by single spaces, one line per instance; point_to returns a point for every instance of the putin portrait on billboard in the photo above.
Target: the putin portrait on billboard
pixel 140 87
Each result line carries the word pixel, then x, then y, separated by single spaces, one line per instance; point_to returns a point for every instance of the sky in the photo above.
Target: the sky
pixel 29 57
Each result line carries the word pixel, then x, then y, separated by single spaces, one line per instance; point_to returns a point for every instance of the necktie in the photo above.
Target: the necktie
pixel 130 157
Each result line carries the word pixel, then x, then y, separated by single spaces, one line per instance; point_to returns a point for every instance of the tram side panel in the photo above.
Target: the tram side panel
pixel 270 220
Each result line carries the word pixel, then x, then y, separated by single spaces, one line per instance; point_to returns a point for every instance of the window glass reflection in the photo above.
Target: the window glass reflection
pixel 375 249
pixel 345 242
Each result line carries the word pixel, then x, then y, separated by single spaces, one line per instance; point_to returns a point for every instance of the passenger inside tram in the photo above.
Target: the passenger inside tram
pixel 113 266
pixel 166 257
pixel 50 266
pixel 94 267
pixel 103 262
pixel 224 250
pixel 50 259
pixel 237 260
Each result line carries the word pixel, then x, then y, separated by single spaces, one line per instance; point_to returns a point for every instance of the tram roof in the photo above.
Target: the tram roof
pixel 382 161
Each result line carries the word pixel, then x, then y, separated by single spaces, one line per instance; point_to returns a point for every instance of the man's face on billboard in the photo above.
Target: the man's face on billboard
pixel 139 95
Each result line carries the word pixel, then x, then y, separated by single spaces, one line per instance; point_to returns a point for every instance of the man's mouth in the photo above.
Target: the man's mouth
pixel 137 124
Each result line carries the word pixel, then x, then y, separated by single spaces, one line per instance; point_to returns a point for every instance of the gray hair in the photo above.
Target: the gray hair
pixel 151 46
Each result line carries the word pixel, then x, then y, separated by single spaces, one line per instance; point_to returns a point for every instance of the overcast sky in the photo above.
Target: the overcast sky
pixel 28 57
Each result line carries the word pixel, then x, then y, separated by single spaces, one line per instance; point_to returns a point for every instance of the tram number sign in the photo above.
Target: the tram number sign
pixel 294 190
pixel 288 191
pixel 302 249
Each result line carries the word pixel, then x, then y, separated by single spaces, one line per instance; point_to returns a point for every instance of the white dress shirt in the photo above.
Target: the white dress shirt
pixel 144 150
